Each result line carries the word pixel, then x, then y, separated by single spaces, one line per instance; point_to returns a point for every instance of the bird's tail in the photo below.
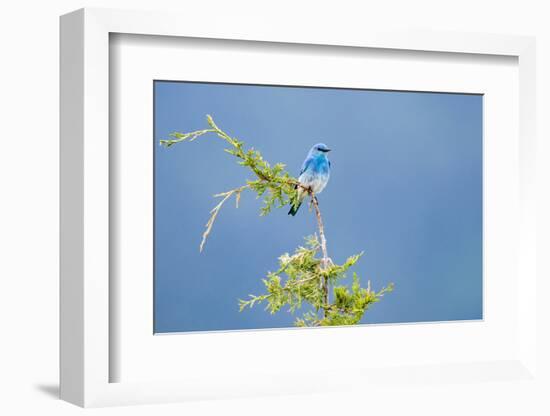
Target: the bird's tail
pixel 294 208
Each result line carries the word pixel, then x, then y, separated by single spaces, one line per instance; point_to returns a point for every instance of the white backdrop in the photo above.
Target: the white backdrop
pixel 29 208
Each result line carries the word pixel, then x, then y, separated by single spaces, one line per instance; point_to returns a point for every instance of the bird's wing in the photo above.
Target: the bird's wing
pixel 306 164
pixel 329 164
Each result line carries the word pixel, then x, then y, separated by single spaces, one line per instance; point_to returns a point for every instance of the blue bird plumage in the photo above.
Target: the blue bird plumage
pixel 314 174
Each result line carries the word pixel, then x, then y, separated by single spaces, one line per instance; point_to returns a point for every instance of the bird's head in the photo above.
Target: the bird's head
pixel 319 149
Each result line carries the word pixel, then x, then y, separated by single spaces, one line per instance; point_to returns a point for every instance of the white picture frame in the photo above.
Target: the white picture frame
pixel 87 356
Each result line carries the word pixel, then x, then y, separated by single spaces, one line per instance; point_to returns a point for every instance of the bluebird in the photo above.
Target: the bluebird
pixel 315 174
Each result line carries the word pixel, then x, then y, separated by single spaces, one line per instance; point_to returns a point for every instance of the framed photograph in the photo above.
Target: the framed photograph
pixel 237 208
pixel 412 177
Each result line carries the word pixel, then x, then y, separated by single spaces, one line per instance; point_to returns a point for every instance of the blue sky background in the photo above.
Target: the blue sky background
pixel 405 188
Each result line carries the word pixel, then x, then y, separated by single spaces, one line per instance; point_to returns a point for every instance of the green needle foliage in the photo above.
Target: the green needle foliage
pixel 305 276
pixel 273 183
pixel 302 273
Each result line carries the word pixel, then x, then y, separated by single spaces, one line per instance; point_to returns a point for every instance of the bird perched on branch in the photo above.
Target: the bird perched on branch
pixel 314 175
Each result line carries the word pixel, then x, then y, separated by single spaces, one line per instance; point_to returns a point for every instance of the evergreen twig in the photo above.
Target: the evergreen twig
pixel 302 277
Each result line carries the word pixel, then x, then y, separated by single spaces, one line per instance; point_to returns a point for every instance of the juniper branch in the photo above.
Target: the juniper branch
pixel 296 281
pixel 276 185
pixel 326 258
pixel 214 212
pixel 302 276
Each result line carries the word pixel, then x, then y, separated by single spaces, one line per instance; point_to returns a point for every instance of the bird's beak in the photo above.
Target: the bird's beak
pixel 328 150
